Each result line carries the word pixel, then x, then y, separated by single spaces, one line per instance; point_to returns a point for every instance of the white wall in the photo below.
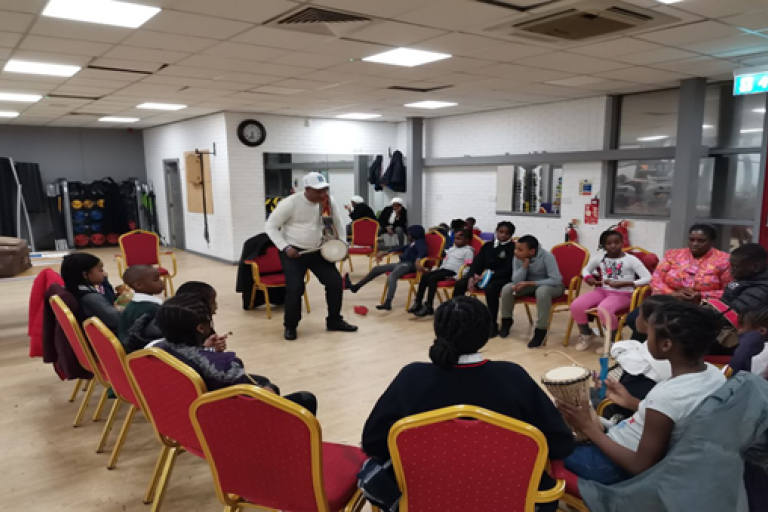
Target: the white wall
pixel 170 142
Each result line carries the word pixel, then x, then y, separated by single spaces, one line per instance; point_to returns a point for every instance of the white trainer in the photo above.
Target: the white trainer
pixel 585 340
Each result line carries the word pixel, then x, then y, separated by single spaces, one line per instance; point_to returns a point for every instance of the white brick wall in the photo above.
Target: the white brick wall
pixel 170 142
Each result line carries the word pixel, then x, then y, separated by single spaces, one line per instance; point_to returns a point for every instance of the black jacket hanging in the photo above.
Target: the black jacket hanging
pixel 252 248
pixel 374 173
pixel 395 175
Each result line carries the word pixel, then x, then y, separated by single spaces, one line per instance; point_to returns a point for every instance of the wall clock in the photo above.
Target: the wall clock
pixel 251 133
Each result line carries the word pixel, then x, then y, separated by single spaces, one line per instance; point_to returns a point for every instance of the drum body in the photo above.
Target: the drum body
pixel 334 250
pixel 570 385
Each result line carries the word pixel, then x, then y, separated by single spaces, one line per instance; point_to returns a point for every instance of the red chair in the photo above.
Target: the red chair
pixel 572 497
pixel 286 466
pixel 85 357
pixel 468 458
pixel 112 357
pixel 365 241
pixel 267 271
pixel 450 284
pixel 166 388
pixel 143 248
pixel 435 246
pixel 571 260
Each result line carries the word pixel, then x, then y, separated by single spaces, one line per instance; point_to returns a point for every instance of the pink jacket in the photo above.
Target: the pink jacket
pixel 36 307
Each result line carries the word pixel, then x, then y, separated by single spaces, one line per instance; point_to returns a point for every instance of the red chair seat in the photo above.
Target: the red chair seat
pixel 361 250
pixel 273 279
pixel 449 283
pixel 559 472
pixel 406 276
pixel 530 299
pixel 340 466
pixel 163 271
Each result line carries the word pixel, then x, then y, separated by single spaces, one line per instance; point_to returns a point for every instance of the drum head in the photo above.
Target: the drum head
pixel 566 374
pixel 334 250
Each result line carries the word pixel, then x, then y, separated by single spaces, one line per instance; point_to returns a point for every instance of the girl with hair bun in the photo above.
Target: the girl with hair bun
pixel 459 375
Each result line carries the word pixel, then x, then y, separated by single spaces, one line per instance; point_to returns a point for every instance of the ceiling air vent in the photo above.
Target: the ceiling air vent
pixel 579 20
pixel 418 89
pixel 325 22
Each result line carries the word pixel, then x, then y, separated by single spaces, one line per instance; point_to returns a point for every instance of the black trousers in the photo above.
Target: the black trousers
pixel 304 398
pixel 429 282
pixel 325 272
pixel 492 294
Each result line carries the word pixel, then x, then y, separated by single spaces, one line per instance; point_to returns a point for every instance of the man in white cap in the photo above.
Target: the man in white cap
pixel 394 222
pixel 297 225
pixel 358 210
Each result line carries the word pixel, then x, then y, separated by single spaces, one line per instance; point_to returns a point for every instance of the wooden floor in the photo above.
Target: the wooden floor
pixel 49 466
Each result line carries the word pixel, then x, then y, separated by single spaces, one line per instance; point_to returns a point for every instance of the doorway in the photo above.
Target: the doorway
pixel 175 201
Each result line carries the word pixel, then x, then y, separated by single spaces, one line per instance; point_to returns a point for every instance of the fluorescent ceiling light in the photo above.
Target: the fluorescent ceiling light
pixel 8 114
pixel 707 126
pixel 40 68
pixel 105 12
pixel 653 137
pixel 759 110
pixel 161 106
pixel 669 1
pixel 431 104
pixel 119 119
pixel 407 57
pixel 752 130
pixel 358 116
pixel 21 98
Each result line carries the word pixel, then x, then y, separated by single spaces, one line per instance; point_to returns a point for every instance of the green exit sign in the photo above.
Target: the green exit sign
pixel 754 83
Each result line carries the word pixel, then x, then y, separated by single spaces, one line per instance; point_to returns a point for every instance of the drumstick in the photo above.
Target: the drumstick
pixel 564 355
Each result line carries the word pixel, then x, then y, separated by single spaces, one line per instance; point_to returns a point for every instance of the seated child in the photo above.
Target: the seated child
pixel 681 334
pixel 459 374
pixel 749 288
pixel 186 323
pixel 752 353
pixel 136 328
pixel 83 275
pixel 620 274
pixel 414 251
pixel 455 257
pixel 201 288
pixel 456 226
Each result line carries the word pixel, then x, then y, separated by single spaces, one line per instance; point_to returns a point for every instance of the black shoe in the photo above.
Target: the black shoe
pixel 425 311
pixel 416 306
pixel 539 335
pixel 494 330
pixel 340 326
pixel 290 334
pixel 506 326
pixel 348 284
pixel 387 306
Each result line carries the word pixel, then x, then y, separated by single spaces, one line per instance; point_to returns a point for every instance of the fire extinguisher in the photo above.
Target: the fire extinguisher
pixel 570 233
pixel 623 228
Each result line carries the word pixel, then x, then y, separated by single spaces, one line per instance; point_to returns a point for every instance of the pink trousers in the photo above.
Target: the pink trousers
pixel 610 300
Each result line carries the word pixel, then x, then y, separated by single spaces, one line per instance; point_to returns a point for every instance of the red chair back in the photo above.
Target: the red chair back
pixel 74 333
pixel 280 468
pixel 571 259
pixel 493 463
pixel 140 248
pixel 112 357
pixel 269 262
pixel 167 388
pixel 649 259
pixel 365 233
pixel 477 244
pixel 435 245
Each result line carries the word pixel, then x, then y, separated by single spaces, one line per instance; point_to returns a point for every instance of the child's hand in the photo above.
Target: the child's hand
pixel 578 416
pixel 619 395
pixel 591 281
pixel 210 342
pixel 220 344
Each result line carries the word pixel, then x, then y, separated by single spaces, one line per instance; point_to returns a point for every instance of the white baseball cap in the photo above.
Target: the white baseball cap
pixel 398 201
pixel 357 199
pixel 316 181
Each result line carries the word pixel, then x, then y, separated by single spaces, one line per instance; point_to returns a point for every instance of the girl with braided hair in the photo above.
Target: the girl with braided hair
pixel 186 322
pixel 459 375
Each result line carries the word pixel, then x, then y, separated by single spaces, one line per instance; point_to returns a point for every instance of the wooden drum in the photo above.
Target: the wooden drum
pixel 570 385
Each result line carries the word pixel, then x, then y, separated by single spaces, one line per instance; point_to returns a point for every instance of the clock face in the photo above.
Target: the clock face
pixel 251 133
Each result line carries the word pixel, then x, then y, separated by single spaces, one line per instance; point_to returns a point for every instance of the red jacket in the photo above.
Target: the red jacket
pixel 36 307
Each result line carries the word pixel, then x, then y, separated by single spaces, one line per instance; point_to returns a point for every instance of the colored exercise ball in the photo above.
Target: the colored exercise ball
pixel 97 215
pixel 81 240
pixel 79 216
pixel 88 204
pixel 100 202
pixel 77 204
pixel 98 239
pixel 113 238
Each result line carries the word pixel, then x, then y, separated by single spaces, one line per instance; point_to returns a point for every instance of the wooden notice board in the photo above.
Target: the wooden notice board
pixel 195 183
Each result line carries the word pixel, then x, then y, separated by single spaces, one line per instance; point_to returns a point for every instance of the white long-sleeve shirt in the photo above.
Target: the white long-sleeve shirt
pixel 297 222
pixel 619 269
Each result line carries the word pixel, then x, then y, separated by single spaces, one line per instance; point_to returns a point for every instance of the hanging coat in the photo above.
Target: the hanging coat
pixel 37 302
pixel 374 173
pixel 395 175
pixel 253 247
pixel 56 347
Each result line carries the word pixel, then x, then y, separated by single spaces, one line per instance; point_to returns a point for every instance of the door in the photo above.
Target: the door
pixel 175 202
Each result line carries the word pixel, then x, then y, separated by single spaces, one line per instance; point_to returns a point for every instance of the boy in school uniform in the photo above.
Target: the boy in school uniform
pixel 136 327
pixel 749 288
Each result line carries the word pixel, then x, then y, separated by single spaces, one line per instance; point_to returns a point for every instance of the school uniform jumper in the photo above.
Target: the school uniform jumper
pixel 496 257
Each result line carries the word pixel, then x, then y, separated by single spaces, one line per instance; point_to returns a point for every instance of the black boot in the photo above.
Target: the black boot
pixel 386 306
pixel 416 306
pixel 340 326
pixel 494 330
pixel 539 335
pixel 506 326
pixel 348 284
pixel 425 310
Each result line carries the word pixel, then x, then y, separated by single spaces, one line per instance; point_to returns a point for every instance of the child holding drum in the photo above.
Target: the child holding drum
pixel 682 334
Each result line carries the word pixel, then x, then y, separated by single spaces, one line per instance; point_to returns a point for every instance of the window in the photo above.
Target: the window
pixel 728 187
pixel 649 119
pixel 643 187
pixel 732 121
pixel 531 189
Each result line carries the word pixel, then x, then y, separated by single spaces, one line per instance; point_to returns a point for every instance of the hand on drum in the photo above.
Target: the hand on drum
pixel 579 417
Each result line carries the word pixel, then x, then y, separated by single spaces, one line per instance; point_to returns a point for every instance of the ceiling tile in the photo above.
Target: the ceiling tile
pixel 21 77
pixel 457 44
pixel 395 33
pixel 145 54
pixel 384 9
pixel 192 72
pixel 309 60
pixel 458 79
pixel 58 45
pixel 563 61
pixel 244 10
pixel 298 83
pixel 348 49
pixel 195 82
pixel 616 47
pixel 103 74
pixel 364 68
pixel 128 65
pixel 244 51
pixel 90 82
pixel 757 20
pixel 274 38
pixel 731 46
pixel 53 58
pixel 692 33
pixel 508 52
pixel 5 53
pixel 700 66
pixel 29 6
pixel 78 90
pixel 174 42
pixel 723 8
pixel 455 64
pixel 248 78
pixel 453 15
pixel 175 22
pixel 643 75
pixel 655 56
pixel 54 27
pixel 199 93
pixel 522 73
pixel 136 90
pixel 15 21
pixel 28 87
pixel 578 81
pixel 282 91
pixel 9 39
